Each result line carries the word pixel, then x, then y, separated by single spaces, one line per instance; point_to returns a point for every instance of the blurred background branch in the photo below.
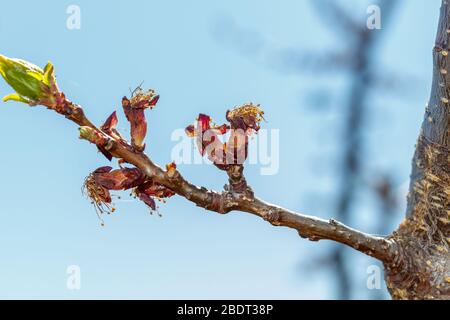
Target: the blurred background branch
pixel 355 58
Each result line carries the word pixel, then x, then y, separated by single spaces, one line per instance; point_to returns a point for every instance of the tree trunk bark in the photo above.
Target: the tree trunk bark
pixel 421 269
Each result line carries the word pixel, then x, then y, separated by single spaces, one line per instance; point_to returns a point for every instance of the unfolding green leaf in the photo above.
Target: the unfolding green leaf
pixel 15 97
pixel 49 75
pixel 25 78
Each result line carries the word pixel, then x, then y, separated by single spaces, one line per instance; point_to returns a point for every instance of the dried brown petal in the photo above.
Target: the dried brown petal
pixel 220 130
pixel 134 111
pixel 155 189
pixel 119 179
pixel 146 199
pixel 150 190
pixel 207 139
pixel 105 152
pixel 190 131
pixel 203 122
pixel 110 123
pixel 109 127
pixel 138 128
pixel 104 169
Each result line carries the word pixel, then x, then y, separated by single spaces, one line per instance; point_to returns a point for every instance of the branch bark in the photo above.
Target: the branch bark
pixel 239 197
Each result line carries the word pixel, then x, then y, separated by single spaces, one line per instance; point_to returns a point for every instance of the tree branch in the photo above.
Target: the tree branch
pixel 238 196
pixel 36 86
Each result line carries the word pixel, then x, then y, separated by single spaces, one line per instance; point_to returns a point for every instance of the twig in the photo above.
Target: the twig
pixel 239 197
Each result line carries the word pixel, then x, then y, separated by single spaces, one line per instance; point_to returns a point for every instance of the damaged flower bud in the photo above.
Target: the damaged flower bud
pixel 93 136
pixel 134 111
pixel 98 184
pixel 245 117
pixel 119 179
pixel 244 120
pixel 141 99
pixel 208 141
pixel 149 190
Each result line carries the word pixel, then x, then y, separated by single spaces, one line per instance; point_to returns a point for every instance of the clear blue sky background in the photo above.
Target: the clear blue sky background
pixel 181 49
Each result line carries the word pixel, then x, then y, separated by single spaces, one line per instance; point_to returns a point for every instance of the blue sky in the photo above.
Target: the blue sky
pixel 192 55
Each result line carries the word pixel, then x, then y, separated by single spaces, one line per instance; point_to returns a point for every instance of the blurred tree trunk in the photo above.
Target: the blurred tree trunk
pixel 361 48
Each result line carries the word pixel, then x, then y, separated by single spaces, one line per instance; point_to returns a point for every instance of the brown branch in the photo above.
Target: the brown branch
pixel 238 196
pixel 148 180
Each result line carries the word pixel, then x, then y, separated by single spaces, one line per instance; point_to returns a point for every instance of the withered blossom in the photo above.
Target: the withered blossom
pixel 244 120
pixel 246 117
pixel 120 179
pixel 203 125
pixel 150 190
pixel 208 141
pixel 99 195
pixel 141 99
pixel 98 184
pixel 134 111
